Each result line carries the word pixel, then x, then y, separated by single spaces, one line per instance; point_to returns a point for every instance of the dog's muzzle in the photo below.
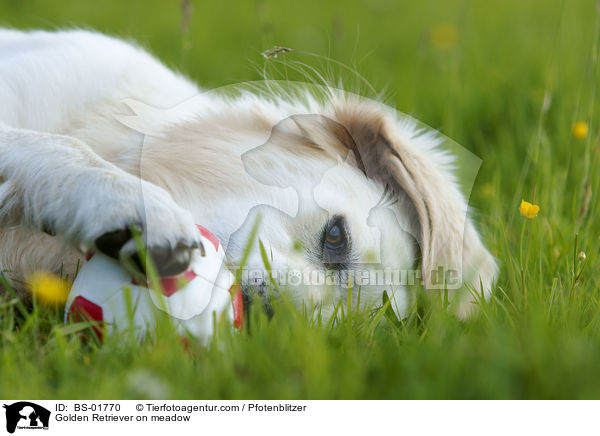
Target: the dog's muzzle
pixel 257 297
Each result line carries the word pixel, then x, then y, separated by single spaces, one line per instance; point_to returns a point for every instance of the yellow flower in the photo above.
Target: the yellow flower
pixel 444 36
pixel 529 210
pixel 580 130
pixel 487 190
pixel 49 288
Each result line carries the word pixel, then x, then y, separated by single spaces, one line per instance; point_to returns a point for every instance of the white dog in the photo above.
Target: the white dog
pixel 97 135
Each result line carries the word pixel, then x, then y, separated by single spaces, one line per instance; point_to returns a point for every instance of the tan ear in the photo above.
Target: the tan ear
pixel 451 250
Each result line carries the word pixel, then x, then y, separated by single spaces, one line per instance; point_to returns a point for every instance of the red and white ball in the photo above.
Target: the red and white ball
pixel 190 299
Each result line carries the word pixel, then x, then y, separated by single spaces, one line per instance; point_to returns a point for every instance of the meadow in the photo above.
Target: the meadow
pixel 514 82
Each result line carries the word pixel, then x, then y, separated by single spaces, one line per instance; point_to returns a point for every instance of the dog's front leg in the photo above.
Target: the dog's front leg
pixel 57 184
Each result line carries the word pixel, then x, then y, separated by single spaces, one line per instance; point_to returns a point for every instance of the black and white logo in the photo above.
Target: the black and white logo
pixel 26 415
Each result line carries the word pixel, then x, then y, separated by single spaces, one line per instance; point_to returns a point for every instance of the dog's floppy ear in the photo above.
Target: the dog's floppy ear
pixel 451 249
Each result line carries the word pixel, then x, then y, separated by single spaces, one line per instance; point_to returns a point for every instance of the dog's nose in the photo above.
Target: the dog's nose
pixel 257 297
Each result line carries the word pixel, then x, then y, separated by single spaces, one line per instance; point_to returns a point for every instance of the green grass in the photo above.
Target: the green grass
pixel 538 336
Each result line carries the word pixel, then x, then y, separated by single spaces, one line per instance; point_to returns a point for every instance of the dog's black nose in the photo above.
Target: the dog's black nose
pixel 257 297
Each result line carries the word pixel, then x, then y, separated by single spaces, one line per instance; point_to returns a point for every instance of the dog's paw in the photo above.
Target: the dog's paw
pixel 115 206
pixel 167 231
pixel 168 260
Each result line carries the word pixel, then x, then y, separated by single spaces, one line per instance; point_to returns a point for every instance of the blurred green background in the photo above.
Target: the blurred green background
pixel 476 70
pixel 506 79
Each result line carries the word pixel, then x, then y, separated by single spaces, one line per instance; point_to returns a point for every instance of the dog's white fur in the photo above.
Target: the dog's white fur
pixel 81 154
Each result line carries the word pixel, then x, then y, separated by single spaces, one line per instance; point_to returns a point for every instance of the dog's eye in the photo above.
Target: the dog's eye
pixel 335 242
pixel 334 237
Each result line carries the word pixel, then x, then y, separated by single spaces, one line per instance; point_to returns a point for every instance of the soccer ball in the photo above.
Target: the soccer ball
pixel 106 292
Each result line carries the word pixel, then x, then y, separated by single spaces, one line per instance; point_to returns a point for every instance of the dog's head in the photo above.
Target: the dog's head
pixel 378 209
pixel 349 195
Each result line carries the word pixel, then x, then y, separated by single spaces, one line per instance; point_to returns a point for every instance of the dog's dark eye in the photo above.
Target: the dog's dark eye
pixel 335 242
pixel 334 237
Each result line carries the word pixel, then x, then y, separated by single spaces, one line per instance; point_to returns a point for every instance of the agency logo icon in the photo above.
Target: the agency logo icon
pixel 26 415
